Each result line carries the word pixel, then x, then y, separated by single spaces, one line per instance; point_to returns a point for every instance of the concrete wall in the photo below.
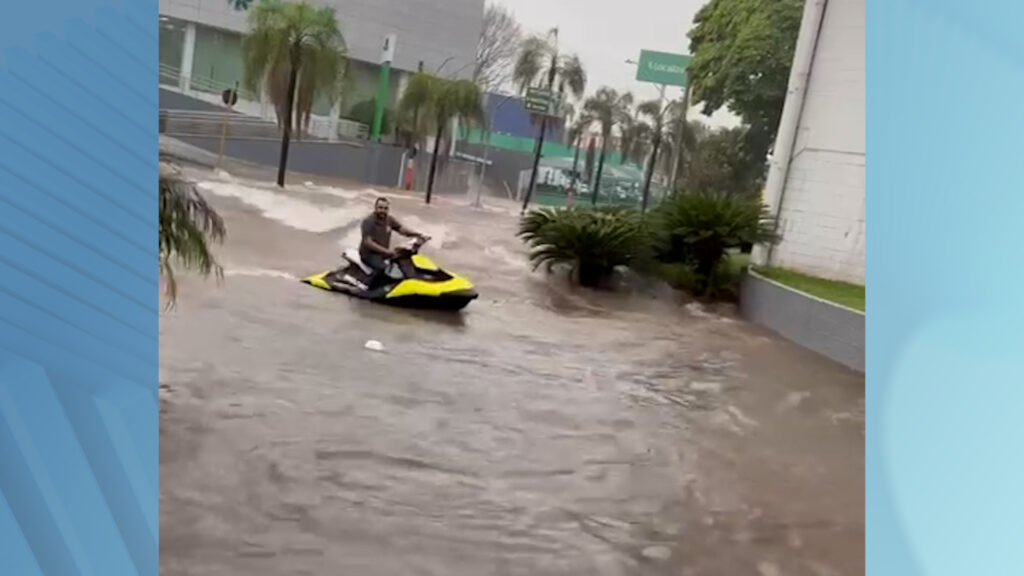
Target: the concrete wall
pixel 360 161
pixel 822 216
pixel 828 329
pixel 428 30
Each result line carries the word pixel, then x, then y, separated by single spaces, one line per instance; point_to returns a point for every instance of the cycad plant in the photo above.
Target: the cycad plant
pixel 698 230
pixel 608 108
pixel 590 241
pixel 541 64
pixel 187 224
pixel 295 51
pixel 434 102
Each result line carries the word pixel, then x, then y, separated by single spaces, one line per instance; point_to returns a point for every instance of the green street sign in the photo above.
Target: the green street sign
pixel 541 101
pixel 662 68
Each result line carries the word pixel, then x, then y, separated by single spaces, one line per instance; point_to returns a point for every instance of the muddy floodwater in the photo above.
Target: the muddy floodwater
pixel 544 431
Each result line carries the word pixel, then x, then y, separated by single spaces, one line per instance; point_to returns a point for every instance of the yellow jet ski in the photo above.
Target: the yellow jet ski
pixel 409 280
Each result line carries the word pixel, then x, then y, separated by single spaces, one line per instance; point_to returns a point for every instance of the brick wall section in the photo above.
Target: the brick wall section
pixel 822 216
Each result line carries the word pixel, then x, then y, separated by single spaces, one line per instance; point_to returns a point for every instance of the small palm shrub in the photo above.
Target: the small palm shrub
pixel 699 230
pixel 590 241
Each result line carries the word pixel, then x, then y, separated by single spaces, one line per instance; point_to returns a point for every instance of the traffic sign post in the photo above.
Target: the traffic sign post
pixel 663 69
pixel 541 101
pixel 230 98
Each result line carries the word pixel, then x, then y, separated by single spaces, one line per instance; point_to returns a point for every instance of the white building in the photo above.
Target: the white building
pixel 816 178
pixel 201 47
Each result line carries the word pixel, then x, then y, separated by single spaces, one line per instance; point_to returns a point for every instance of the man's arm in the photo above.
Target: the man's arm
pixel 407 232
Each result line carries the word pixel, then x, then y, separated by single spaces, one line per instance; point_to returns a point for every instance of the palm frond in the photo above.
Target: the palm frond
pixel 572 75
pixel 534 52
pixel 187 223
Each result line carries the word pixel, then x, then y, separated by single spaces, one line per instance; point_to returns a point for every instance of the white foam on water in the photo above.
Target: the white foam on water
pixel 260 272
pixel 506 257
pixel 292 212
pixel 342 193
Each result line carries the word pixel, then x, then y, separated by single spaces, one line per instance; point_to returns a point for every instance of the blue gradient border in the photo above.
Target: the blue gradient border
pixel 78 288
pixel 945 327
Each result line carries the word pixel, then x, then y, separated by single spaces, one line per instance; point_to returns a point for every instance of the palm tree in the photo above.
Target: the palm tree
pixel 540 63
pixel 434 102
pixel 654 110
pixel 633 133
pixel 296 52
pixel 187 224
pixel 608 108
pixel 575 133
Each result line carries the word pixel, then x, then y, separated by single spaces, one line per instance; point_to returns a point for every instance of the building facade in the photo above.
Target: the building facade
pixel 201 45
pixel 821 199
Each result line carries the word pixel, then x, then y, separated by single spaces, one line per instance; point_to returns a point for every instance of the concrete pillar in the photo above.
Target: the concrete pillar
pixel 188 54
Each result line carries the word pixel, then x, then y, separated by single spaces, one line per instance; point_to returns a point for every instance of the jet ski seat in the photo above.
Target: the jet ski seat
pixel 353 258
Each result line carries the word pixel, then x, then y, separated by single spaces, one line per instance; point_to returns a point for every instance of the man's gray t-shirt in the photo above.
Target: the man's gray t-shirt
pixel 378 231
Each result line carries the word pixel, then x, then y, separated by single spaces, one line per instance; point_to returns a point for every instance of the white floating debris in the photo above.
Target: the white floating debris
pixel 224 175
pixel 374 345
pixel 657 552
pixel 309 184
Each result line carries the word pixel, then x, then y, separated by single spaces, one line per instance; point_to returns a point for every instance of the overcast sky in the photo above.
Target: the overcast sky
pixel 606 34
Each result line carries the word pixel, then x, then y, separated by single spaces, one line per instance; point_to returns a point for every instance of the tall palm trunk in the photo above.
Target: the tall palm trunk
pixel 433 160
pixel 575 165
pixel 600 169
pixel 286 134
pixel 650 169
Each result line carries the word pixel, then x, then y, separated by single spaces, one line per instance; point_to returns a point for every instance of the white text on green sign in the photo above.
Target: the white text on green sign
pixel 662 68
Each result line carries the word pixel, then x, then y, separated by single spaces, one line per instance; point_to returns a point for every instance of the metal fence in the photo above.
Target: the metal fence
pixel 250 104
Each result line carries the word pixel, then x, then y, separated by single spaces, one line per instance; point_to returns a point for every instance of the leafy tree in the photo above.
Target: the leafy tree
pixel 187 225
pixel 608 108
pixel 496 48
pixel 295 51
pixel 742 52
pixel 725 162
pixel 435 102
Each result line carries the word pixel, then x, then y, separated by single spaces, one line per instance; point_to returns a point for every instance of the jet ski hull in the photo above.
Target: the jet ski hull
pixel 431 288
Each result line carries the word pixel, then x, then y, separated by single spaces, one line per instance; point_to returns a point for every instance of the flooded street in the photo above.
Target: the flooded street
pixel 544 431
